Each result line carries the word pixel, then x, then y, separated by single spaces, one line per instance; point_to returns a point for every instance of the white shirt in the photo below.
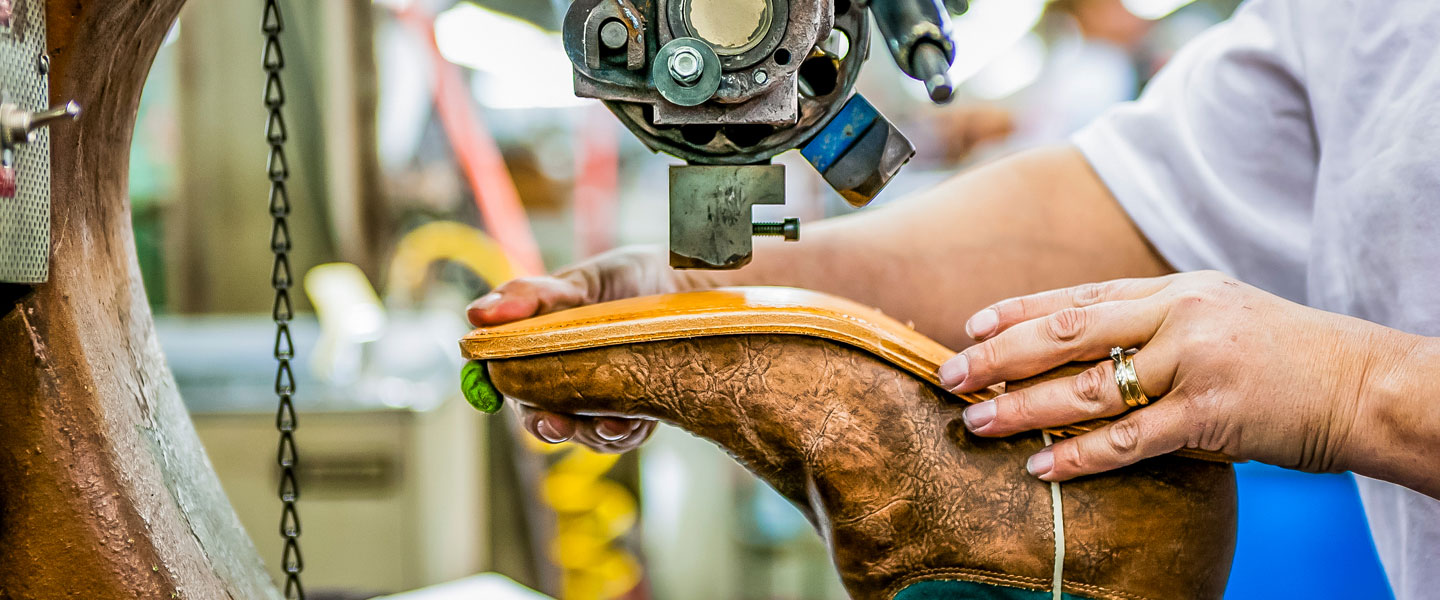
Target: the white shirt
pixel 1297 147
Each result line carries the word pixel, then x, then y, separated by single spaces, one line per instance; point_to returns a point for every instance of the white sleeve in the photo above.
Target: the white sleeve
pixel 1216 161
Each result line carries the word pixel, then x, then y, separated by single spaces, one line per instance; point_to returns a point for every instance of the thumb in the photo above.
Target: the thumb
pixel 524 298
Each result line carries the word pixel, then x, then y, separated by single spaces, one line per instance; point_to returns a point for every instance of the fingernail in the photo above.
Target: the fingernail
pixel 982 324
pixel 486 302
pixel 1041 463
pixel 954 371
pixel 979 415
pixel 548 432
pixel 612 430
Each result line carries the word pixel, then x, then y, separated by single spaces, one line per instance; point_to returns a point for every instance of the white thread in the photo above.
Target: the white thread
pixel 1059 518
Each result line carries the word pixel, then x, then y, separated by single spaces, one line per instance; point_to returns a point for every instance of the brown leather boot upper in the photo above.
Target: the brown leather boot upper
pixel 880 462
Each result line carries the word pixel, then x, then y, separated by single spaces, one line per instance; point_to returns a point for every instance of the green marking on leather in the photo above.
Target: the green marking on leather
pixel 948 589
pixel 479 392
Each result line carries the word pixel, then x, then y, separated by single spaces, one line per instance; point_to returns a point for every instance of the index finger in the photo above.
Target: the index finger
pixel 1005 314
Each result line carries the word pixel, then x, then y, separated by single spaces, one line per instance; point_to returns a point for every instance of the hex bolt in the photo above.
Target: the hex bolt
pixel 789 229
pixel 613 34
pixel 761 76
pixel 686 65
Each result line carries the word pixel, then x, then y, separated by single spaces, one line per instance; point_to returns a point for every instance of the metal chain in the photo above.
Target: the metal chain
pixel 277 168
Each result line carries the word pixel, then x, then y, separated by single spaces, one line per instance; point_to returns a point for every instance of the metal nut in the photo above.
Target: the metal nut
pixel 686 65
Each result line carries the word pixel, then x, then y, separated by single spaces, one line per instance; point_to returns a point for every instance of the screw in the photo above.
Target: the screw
pixel 789 229
pixel 686 65
pixel 761 76
pixel 44 64
pixel 613 34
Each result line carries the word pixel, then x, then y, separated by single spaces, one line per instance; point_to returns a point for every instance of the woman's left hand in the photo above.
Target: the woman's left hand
pixel 1229 368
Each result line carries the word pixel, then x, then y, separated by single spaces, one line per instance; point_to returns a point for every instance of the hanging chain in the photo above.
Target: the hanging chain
pixel 277 168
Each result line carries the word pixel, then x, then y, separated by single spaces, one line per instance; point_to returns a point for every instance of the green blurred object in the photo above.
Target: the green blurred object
pixel 479 392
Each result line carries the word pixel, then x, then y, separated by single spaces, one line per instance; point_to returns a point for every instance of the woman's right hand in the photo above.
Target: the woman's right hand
pixel 617 274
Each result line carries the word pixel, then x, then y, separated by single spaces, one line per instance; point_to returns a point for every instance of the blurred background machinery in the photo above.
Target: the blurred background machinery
pixel 439 161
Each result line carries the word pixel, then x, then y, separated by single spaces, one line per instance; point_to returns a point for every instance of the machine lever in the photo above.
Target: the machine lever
pixel 18 124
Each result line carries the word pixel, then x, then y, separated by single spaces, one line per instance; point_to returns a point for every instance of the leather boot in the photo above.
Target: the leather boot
pixel 910 503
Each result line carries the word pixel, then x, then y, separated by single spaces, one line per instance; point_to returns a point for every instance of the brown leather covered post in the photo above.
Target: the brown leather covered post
pixel 105 491
pixel 837 407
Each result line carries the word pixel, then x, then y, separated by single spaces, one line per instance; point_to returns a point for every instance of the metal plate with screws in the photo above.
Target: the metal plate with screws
pixel 25 218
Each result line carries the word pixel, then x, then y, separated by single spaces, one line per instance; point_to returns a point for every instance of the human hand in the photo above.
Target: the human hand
pixel 621 273
pixel 1230 369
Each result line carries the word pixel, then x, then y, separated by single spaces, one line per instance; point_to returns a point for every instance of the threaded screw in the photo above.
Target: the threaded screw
pixel 789 229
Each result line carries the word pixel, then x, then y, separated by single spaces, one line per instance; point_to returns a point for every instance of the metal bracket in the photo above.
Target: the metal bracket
pixel 710 224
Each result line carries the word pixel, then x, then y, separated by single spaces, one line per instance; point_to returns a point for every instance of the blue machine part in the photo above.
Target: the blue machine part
pixel 853 120
pixel 1302 535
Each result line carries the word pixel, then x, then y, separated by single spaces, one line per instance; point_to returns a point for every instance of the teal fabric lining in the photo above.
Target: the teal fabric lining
pixel 948 589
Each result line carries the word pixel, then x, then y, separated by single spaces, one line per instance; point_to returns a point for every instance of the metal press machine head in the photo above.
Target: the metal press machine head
pixel 727 85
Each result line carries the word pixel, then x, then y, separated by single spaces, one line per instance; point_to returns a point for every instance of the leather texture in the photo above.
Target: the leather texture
pixel 825 401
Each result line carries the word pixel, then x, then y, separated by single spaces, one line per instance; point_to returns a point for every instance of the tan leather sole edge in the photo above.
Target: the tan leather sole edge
pixel 733 311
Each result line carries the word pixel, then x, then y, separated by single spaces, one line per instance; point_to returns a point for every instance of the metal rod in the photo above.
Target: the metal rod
pixel 930 66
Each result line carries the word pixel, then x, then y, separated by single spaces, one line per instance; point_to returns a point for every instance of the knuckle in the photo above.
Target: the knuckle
pixel 1193 299
pixel 983 355
pixel 1199 404
pixel 1069 458
pixel 1213 284
pixel 1123 437
pixel 1015 409
pixel 513 287
pixel 1067 325
pixel 1089 389
pixel 1087 294
pixel 1012 310
pixel 1207 429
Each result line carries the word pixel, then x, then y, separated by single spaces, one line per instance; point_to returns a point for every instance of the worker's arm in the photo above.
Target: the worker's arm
pixel 1036 221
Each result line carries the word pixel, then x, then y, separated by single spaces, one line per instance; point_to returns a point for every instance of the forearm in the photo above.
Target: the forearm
pixel 1397 432
pixel 1039 220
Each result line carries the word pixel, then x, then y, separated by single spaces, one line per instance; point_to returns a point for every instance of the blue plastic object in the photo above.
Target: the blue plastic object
pixel 853 120
pixel 1302 536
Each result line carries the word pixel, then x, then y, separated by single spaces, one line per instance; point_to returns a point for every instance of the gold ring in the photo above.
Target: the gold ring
pixel 1126 379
